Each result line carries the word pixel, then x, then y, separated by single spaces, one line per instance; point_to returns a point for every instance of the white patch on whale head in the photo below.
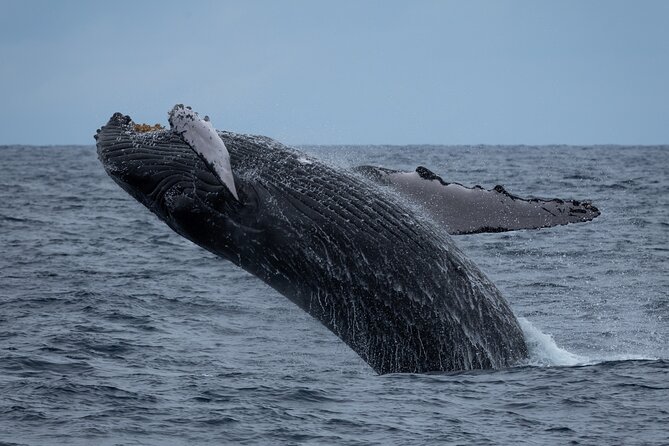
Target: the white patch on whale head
pixel 201 136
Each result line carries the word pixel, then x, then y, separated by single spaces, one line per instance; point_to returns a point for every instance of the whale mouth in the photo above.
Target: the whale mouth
pixel 155 165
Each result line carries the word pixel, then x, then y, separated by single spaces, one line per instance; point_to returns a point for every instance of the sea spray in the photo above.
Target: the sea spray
pixel 543 351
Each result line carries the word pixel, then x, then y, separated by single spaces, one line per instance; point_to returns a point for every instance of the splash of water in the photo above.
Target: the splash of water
pixel 544 352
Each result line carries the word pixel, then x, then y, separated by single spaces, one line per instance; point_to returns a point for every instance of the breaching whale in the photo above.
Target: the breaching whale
pixel 390 284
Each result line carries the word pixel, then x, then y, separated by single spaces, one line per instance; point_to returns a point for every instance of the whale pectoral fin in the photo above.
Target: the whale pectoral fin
pixel 470 210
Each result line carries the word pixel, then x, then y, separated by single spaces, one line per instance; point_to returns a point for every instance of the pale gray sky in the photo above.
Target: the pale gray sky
pixel 366 72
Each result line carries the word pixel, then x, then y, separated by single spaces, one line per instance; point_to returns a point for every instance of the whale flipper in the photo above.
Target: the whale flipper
pixel 471 210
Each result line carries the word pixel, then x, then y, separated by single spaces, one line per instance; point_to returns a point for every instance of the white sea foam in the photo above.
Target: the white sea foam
pixel 543 351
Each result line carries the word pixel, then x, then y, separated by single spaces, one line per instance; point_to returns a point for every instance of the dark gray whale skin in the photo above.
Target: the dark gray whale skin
pixel 391 285
pixel 472 210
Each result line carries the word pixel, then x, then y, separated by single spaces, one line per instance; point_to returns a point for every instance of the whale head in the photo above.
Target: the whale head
pixel 177 176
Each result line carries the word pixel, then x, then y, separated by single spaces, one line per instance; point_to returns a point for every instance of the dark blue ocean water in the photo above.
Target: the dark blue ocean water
pixel 114 330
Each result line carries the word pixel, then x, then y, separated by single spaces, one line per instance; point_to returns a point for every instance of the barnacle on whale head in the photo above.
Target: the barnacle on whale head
pixel 145 128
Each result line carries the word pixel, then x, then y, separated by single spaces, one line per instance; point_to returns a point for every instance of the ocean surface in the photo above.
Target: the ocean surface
pixel 114 330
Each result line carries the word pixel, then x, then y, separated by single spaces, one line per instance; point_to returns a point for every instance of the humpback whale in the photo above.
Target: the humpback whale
pixel 390 284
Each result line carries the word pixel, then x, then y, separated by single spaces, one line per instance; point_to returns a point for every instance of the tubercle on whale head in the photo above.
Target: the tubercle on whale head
pixel 117 118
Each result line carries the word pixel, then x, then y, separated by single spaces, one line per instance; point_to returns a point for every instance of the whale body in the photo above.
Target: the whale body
pixel 390 284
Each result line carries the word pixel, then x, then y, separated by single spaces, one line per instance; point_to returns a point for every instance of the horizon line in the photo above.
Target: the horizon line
pixel 3 145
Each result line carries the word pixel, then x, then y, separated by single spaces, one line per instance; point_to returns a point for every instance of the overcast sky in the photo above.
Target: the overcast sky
pixel 365 72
